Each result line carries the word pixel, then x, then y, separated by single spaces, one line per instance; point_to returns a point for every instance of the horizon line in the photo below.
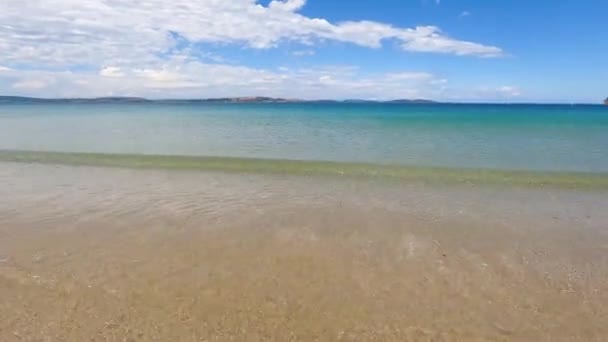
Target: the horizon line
pixel 285 100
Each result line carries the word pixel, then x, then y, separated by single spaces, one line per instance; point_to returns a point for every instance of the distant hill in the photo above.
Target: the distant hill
pixel 422 101
pixel 359 101
pixel 405 101
pixel 255 99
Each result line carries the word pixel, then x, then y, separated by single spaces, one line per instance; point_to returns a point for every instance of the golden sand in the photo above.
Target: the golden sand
pixel 91 254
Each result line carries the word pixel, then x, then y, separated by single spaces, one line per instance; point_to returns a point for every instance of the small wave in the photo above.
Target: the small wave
pixel 574 180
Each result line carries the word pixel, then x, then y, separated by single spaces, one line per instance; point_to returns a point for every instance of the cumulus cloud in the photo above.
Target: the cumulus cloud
pixel 288 5
pixel 194 79
pixel 64 32
pixel 153 48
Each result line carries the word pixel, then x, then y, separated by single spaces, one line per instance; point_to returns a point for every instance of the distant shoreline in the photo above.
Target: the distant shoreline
pixel 252 100
pixel 255 99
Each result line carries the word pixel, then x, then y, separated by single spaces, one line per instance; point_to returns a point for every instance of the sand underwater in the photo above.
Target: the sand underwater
pixel 142 251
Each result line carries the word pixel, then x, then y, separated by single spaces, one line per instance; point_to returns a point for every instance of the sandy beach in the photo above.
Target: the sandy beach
pixel 142 255
pixel 303 170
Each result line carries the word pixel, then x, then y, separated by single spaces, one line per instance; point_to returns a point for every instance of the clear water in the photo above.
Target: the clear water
pixel 518 137
pixel 159 255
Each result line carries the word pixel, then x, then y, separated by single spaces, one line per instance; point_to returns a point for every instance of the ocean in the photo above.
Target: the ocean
pixel 506 137
pixel 312 221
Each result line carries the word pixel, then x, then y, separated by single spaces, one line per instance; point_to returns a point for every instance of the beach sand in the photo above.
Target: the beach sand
pixel 101 254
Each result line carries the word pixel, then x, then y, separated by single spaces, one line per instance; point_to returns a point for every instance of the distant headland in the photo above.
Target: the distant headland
pixel 247 99
pixel 254 99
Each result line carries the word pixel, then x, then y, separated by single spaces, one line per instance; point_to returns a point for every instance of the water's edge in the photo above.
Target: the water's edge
pixel 570 180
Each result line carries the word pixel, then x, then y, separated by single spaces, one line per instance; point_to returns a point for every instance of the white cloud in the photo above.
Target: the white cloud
pixel 508 91
pixel 194 79
pixel 464 14
pixel 31 84
pixel 504 93
pixel 409 76
pixel 118 32
pixel 288 5
pixel 301 53
pixel 430 39
pixel 145 48
pixel 111 72
pixel 176 78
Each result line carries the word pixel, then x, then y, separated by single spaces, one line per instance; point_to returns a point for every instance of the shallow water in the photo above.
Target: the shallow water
pixel 92 253
pixel 445 243
pixel 521 137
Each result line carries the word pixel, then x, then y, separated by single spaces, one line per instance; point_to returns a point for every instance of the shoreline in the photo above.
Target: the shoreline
pixel 403 173
pixel 15 99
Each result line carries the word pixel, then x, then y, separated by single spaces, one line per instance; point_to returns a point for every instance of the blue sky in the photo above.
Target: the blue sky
pixel 447 50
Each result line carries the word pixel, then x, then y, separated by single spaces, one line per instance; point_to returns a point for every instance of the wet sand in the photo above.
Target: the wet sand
pixel 141 255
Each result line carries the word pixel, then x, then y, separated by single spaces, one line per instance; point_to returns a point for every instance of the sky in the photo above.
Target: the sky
pixel 444 50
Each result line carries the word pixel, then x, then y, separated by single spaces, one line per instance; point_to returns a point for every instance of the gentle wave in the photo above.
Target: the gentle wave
pixel 525 137
pixel 573 180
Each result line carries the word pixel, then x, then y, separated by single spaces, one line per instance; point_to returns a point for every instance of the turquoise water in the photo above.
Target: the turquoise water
pixel 509 137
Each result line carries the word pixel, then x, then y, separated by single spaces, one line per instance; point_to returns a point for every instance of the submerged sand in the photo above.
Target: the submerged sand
pixel 141 255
